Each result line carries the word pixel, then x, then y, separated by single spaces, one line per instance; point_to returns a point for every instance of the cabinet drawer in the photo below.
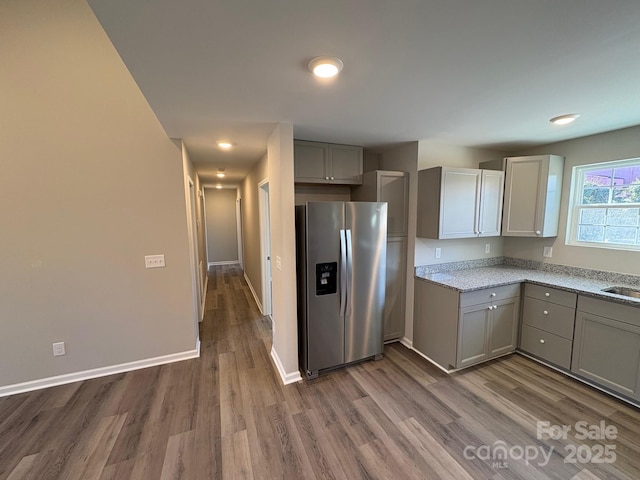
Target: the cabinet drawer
pixel 552 295
pixel 546 345
pixel 489 295
pixel 549 317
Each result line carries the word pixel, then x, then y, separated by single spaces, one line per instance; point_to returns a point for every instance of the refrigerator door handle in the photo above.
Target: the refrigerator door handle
pixel 343 273
pixel 349 269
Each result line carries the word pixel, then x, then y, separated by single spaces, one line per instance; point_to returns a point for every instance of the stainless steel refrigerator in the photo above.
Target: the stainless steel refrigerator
pixel 341 260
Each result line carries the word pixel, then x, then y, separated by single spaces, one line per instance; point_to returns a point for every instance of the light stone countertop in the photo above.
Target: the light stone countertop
pixel 468 280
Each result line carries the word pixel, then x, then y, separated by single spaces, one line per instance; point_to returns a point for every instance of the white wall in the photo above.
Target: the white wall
pixel 282 210
pixel 221 225
pixel 90 184
pixel 434 154
pixel 616 145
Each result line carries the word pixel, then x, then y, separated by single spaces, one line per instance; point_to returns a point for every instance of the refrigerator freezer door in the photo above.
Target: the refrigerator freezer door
pixel 366 225
pixel 325 326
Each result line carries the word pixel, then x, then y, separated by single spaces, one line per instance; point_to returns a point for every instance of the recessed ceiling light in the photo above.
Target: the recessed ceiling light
pixel 220 173
pixel 225 145
pixel 325 67
pixel 564 119
pixel 218 186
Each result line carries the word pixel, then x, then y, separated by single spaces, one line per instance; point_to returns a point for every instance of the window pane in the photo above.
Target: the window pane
pixel 626 175
pixel 628 194
pixel 593 216
pixel 595 195
pixel 589 233
pixel 624 217
pixel 624 235
pixel 600 178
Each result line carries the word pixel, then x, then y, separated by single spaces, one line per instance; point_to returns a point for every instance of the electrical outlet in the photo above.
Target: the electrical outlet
pixel 548 252
pixel 438 252
pixel 278 263
pixel 487 248
pixel 154 261
pixel 58 349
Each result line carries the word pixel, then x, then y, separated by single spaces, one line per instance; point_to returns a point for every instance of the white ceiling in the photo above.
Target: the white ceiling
pixel 484 73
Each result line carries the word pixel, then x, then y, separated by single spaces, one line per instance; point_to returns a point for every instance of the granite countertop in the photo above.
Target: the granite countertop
pixel 468 280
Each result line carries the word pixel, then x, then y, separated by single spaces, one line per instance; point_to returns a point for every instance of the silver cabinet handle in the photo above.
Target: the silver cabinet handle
pixel 538 232
pixel 545 312
pixel 492 295
pixel 542 340
pixel 547 294
pixel 490 307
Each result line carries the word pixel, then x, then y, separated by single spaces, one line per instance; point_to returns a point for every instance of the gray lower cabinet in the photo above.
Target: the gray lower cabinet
pixel 457 330
pixel 607 345
pixel 547 324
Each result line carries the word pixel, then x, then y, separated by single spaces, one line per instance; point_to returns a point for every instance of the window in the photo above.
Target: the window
pixel 605 205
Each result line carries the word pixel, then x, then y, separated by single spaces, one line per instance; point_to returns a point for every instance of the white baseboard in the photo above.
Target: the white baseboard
pixel 227 262
pixel 253 292
pixel 204 297
pixel 98 372
pixel 407 342
pixel 286 378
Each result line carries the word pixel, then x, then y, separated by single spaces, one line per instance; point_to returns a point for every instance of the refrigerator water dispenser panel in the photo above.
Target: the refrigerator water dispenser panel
pixel 326 278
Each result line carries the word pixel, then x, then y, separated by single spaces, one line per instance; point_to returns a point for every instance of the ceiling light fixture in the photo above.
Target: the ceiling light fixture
pixel 225 145
pixel 564 119
pixel 325 67
pixel 218 186
pixel 220 173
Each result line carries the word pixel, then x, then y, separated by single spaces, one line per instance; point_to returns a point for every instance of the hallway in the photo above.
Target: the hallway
pixel 227 415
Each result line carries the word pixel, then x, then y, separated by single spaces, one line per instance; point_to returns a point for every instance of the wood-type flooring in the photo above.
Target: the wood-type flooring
pixel 227 415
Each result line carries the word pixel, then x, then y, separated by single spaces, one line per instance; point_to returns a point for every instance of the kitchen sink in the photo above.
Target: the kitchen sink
pixel 624 291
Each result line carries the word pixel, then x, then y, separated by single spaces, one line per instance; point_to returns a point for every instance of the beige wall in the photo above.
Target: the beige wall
pixel 221 225
pixel 90 184
pixel 434 154
pixel 405 158
pixel 616 145
pixel 251 224
pixel 282 198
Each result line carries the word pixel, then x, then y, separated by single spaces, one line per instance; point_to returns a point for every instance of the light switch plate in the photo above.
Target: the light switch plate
pixel 548 252
pixel 154 261
pixel 438 252
pixel 487 248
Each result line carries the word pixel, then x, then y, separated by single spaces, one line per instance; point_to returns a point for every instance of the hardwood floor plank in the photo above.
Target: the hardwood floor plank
pixel 179 457
pixel 231 405
pixel 236 457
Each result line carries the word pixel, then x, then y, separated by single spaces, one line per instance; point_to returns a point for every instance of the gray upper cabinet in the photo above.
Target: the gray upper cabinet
pixel 391 187
pixel 316 162
pixel 606 347
pixel 533 187
pixel 459 202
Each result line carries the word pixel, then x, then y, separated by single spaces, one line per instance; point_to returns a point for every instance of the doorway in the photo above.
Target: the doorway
pixel 265 245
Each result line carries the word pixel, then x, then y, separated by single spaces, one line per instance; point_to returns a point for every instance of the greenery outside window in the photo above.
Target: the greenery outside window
pixel 605 205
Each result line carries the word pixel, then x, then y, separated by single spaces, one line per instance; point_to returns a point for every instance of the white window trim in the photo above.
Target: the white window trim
pixel 573 214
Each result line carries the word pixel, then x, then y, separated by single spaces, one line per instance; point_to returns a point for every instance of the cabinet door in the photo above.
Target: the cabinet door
pixel 346 164
pixel 395 298
pixel 473 335
pixel 460 196
pixel 393 188
pixel 524 196
pixel 503 327
pixel 490 213
pixel 608 352
pixel 310 162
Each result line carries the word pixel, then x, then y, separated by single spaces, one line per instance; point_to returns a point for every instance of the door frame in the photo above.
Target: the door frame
pixel 196 280
pixel 265 246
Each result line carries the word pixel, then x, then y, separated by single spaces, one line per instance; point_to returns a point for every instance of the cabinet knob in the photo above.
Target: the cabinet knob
pixel 542 340
pixel 492 295
pixel 490 307
pixel 546 312
pixel 332 178
pixel 547 294
pixel 326 178
pixel 538 232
